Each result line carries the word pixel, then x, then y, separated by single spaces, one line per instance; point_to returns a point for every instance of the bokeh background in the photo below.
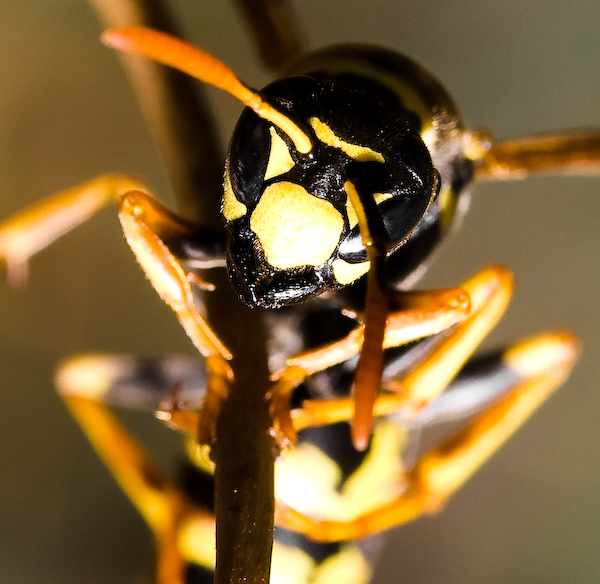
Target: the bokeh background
pixel 532 515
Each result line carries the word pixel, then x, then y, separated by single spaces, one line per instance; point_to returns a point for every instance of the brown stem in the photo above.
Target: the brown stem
pixel 274 30
pixel 243 452
pixel 176 113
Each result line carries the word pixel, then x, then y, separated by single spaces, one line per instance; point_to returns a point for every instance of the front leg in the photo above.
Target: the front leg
pixel 30 230
pixel 482 299
pixel 149 228
pixel 168 248
pixel 489 292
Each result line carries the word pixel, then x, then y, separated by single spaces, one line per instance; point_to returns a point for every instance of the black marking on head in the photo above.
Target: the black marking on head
pixel 358 111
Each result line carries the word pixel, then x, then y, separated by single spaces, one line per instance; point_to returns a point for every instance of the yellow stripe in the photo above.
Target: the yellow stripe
pixel 359 153
pixel 351 211
pixel 280 160
pixel 346 273
pixel 231 208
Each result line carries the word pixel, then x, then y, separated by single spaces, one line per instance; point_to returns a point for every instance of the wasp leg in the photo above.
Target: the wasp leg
pixel 569 153
pixel 174 520
pixel 135 382
pixel 166 247
pixel 529 371
pixel 425 313
pixel 430 313
pixel 489 292
pixel 484 296
pixel 148 227
pixel 30 230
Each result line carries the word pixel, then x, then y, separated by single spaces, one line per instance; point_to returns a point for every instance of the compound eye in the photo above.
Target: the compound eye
pixel 258 151
pixel 249 157
pixel 400 213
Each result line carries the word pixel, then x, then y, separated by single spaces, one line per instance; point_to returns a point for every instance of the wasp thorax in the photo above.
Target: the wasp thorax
pixel 292 230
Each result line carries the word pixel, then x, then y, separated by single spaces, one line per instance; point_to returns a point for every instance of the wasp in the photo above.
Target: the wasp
pixel 432 189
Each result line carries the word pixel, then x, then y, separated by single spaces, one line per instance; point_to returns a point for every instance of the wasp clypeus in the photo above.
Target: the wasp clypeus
pixel 321 320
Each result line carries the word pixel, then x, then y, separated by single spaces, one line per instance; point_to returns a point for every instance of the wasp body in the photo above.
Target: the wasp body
pixel 330 381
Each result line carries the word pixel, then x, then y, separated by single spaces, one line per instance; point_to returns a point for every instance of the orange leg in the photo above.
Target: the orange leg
pixel 25 233
pixel 146 225
pixel 489 292
pixel 568 153
pixel 153 233
pixel 476 307
pixel 484 297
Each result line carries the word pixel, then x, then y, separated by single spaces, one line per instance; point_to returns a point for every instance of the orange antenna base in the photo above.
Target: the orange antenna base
pixel 189 59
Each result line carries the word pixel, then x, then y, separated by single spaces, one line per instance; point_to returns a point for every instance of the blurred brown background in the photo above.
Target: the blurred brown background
pixel 532 515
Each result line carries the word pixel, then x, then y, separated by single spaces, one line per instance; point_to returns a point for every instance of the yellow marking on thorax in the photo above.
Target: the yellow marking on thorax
pixel 231 208
pixel 294 227
pixel 359 153
pixel 280 159
pixel 346 273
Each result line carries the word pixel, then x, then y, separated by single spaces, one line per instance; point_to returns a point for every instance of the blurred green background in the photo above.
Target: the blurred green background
pixel 532 515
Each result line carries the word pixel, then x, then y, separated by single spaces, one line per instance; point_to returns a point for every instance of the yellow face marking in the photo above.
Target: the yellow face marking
pixel 231 208
pixel 359 153
pixel 351 211
pixel 280 159
pixel 346 273
pixel 294 228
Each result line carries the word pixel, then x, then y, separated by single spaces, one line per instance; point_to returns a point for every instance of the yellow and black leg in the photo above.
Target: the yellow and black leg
pixel 503 388
pixel 184 532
